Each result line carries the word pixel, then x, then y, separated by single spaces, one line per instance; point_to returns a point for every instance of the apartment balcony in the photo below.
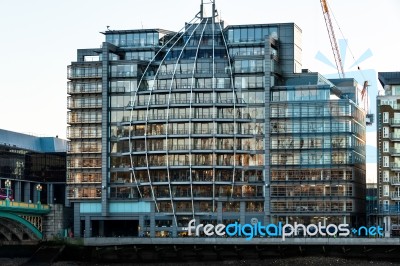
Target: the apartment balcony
pixel 85 148
pixel 395 195
pixel 85 75
pixel 395 180
pixel 89 71
pixel 87 165
pixel 73 119
pixel 87 179
pixel 83 135
pixel 83 193
pixel 394 137
pixel 395 122
pixel 394 152
pixel 395 166
pixel 83 105
pixel 72 89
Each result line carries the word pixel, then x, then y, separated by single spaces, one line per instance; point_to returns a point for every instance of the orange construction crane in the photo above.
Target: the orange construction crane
pixel 332 38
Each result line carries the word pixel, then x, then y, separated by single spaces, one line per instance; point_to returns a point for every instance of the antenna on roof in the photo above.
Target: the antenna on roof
pixel 213 14
pixel 201 9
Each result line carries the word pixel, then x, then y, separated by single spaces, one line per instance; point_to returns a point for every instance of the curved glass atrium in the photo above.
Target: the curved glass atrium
pixel 191 136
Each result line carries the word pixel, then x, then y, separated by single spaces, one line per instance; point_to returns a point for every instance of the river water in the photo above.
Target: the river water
pixel 294 261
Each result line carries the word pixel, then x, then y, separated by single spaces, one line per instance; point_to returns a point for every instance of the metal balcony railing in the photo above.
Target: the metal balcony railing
pixel 82 120
pixel 395 166
pixel 84 193
pixel 395 180
pixel 72 180
pixel 395 122
pixel 81 135
pixel 394 136
pixel 95 148
pixel 83 89
pixel 395 195
pixel 78 104
pixel 394 151
pixel 91 74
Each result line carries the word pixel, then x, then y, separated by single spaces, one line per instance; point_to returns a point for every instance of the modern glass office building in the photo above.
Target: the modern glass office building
pixel 317 150
pixel 214 123
pixel 28 161
pixel 389 152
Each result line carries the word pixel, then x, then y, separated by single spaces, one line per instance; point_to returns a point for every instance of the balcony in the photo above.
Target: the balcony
pixel 86 148
pixel 74 119
pixel 395 122
pixel 85 179
pixel 395 166
pixel 83 89
pixel 85 75
pixel 87 163
pixel 83 193
pixel 394 137
pixel 395 180
pixel 83 135
pixel 90 71
pixel 395 195
pixel 79 104
pixel 394 152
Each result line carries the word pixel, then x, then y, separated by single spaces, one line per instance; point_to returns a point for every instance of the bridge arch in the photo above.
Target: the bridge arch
pixel 22 221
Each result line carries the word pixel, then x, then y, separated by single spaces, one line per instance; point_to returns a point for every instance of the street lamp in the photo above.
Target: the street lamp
pixel 8 186
pixel 39 189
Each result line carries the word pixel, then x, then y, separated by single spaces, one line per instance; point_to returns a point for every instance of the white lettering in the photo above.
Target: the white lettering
pixel 208 229
pixel 296 228
pixel 219 229
pixel 284 233
pixel 331 226
pixel 190 226
pixel 320 229
pixel 313 232
pixel 344 229
pixel 198 229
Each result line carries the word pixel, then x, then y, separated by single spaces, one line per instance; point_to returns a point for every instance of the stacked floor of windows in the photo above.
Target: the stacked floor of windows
pixel 388 125
pixel 317 157
pixel 190 138
pixel 84 130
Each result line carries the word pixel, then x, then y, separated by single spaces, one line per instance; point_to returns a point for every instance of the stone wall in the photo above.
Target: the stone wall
pixel 58 222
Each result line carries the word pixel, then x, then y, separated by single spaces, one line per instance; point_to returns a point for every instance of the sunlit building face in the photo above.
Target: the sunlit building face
pixel 170 126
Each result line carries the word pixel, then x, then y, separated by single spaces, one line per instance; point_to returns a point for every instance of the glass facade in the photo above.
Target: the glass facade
pixel 317 156
pixel 26 167
pixel 191 125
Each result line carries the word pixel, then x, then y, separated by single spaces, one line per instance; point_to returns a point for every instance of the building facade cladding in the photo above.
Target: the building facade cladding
pixel 388 151
pixel 170 126
pixel 317 156
pixel 28 161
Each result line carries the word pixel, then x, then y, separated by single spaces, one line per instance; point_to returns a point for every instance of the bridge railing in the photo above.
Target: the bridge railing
pixel 24 205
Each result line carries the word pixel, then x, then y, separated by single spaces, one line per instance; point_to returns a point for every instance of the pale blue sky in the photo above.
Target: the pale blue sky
pixel 40 38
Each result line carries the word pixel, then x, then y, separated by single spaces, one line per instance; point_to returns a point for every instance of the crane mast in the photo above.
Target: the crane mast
pixel 332 38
